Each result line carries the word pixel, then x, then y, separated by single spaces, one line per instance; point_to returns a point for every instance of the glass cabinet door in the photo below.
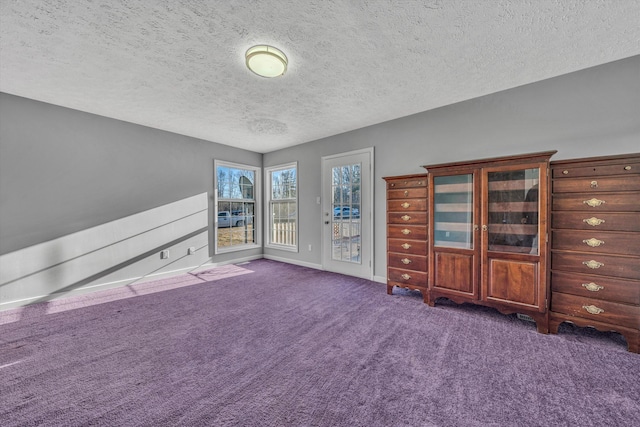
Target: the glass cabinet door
pixel 513 211
pixel 453 211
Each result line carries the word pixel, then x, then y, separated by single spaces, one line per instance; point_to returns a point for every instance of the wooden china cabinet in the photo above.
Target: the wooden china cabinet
pixel 488 234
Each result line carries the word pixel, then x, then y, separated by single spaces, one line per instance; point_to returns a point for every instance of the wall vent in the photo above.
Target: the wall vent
pixel 525 317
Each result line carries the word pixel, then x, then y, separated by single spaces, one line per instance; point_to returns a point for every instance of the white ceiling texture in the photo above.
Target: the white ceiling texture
pixel 179 65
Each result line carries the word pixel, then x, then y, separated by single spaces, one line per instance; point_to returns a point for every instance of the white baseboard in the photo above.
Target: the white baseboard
pixel 294 262
pixel 380 279
pixel 92 288
pixel 122 282
pixel 157 276
pixel 210 264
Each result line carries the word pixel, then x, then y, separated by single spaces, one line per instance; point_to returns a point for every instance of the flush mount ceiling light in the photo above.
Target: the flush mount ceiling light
pixel 266 61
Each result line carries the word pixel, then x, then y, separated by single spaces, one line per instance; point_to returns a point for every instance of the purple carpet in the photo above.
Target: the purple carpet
pixel 272 344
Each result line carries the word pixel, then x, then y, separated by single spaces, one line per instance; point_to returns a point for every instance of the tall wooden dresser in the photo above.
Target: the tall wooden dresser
pixel 407 233
pixel 595 245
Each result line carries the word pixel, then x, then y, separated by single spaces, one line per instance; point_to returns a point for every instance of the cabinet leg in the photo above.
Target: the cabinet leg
pixel 554 325
pixel 431 301
pixel 542 327
pixel 425 296
pixel 542 323
pixel 389 289
pixel 633 342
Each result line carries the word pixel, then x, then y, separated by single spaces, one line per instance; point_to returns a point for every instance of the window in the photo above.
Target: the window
pixel 237 209
pixel 282 193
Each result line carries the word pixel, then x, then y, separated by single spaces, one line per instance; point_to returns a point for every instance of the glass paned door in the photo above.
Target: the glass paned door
pixel 347 214
pixel 453 264
pixel 453 213
pixel 513 268
pixel 513 211
pixel 345 218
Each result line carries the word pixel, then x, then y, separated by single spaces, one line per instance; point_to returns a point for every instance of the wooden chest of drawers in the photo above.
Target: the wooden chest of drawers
pixel 595 245
pixel 407 232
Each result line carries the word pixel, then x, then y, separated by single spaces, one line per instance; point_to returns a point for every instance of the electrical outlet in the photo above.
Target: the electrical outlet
pixel 310 248
pixel 164 254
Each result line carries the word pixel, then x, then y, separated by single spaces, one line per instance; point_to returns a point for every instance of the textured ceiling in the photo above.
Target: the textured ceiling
pixel 179 65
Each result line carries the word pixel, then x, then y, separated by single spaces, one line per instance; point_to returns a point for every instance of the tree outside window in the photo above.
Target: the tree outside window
pixel 236 187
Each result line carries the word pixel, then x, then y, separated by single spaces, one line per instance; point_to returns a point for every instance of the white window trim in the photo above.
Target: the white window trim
pixel 267 231
pixel 257 211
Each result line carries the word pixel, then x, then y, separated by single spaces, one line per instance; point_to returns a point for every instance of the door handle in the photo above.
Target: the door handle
pixel 326 222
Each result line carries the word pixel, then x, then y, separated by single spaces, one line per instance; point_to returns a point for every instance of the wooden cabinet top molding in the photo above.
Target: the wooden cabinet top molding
pixel 542 156
pixel 401 177
pixel 598 161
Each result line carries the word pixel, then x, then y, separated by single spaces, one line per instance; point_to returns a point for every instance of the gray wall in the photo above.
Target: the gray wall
pixel 65 174
pixel 591 112
pixel 63 171
pixel 88 202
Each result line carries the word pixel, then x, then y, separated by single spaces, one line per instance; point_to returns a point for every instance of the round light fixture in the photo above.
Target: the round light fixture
pixel 266 61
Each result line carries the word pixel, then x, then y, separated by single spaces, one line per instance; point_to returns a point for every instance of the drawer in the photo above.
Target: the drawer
pixel 407 193
pixel 406 261
pixel 596 202
pixel 404 246
pixel 594 184
pixel 413 232
pixel 595 170
pixel 407 182
pixel 602 311
pixel 408 277
pixel 597 287
pixel 407 218
pixel 406 205
pixel 609 242
pixel 605 221
pixel 601 265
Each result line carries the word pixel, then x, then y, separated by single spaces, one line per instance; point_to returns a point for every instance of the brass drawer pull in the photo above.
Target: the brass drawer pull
pixel 393 184
pixel 405 205
pixel 406 246
pixel 593 221
pixel 565 172
pixel 406 231
pixel 405 217
pixel 593 202
pixel 592 287
pixel 627 168
pixel 594 243
pixel 594 184
pixel 406 261
pixel 405 276
pixel 592 309
pixel 593 264
pixel 406 192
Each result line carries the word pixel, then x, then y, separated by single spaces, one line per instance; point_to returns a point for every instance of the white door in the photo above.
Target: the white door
pixel 347 214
